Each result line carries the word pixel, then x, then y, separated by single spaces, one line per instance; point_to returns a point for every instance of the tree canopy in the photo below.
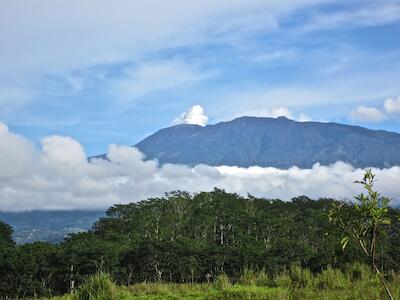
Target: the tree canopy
pixel 184 237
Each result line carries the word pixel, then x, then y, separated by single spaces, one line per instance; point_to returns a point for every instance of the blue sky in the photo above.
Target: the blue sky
pixel 103 72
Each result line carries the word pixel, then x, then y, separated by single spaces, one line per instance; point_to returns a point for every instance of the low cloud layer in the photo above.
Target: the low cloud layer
pixel 58 176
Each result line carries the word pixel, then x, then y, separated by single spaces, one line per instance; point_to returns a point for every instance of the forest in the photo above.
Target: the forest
pixel 194 239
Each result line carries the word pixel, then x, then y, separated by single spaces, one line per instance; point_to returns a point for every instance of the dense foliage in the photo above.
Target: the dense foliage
pixel 185 238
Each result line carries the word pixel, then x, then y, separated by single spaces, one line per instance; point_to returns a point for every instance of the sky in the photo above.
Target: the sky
pixel 114 72
pixel 78 78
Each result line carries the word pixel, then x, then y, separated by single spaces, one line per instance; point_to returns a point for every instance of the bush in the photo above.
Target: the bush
pixel 222 282
pixel 248 277
pixel 263 279
pixel 358 271
pixel 301 277
pixel 283 280
pixel 97 287
pixel 331 279
pixel 260 278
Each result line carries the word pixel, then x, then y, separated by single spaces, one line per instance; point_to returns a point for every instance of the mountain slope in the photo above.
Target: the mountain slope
pixel 281 143
pixel 48 226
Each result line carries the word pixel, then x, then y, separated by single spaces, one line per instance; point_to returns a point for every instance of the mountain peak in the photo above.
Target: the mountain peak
pixel 269 142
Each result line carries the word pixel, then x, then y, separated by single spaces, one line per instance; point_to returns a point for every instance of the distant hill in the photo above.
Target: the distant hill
pixel 49 226
pixel 281 143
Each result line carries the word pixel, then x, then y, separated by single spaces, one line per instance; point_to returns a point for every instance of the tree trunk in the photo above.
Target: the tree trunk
pixel 389 293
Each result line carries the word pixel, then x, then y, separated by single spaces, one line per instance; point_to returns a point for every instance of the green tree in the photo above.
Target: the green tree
pixel 366 223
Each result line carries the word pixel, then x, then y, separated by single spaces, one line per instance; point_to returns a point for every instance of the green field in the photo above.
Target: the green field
pixel 358 282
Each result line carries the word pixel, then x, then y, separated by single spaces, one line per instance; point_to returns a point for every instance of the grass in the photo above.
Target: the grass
pixel 358 282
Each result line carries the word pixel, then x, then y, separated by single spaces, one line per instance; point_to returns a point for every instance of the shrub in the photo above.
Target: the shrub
pixel 358 271
pixel 331 279
pixel 248 277
pixel 260 278
pixel 222 282
pixel 283 280
pixel 301 277
pixel 97 287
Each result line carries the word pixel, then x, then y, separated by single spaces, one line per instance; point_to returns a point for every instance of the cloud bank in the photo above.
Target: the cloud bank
pixel 58 176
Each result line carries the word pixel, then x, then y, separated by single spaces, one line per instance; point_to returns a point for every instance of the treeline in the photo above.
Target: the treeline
pixel 189 238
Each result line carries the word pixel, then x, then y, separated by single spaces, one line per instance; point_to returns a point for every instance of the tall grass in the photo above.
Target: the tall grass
pixel 97 287
pixel 357 282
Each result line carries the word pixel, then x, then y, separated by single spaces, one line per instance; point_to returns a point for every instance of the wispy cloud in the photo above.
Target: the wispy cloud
pixel 146 78
pixel 72 35
pixel 378 13
pixel 13 97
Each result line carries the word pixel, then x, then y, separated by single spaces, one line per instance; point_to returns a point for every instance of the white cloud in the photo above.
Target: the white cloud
pixel 70 35
pixel 267 113
pixel 303 118
pixel 367 114
pixel 63 150
pixel 392 106
pixel 194 115
pixel 274 112
pixel 280 112
pixel 340 91
pixel 59 177
pixel 385 12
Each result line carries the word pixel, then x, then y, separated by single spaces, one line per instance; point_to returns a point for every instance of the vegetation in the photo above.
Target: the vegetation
pixel 210 245
pixel 366 224
pixel 358 282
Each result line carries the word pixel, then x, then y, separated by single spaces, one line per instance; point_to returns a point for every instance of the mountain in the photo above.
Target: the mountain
pixel 48 226
pixel 280 143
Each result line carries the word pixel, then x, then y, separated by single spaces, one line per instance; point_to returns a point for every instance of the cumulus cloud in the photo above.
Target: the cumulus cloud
pixel 194 115
pixel 392 106
pixel 58 176
pixel 367 114
pixel 391 109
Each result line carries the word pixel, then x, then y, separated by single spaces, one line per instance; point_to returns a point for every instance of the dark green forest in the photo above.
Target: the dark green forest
pixel 185 238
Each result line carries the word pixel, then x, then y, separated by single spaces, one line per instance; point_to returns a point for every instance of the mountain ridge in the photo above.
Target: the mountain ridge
pixel 280 142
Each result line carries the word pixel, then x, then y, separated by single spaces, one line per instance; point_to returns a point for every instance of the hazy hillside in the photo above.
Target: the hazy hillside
pixel 280 143
pixel 48 226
